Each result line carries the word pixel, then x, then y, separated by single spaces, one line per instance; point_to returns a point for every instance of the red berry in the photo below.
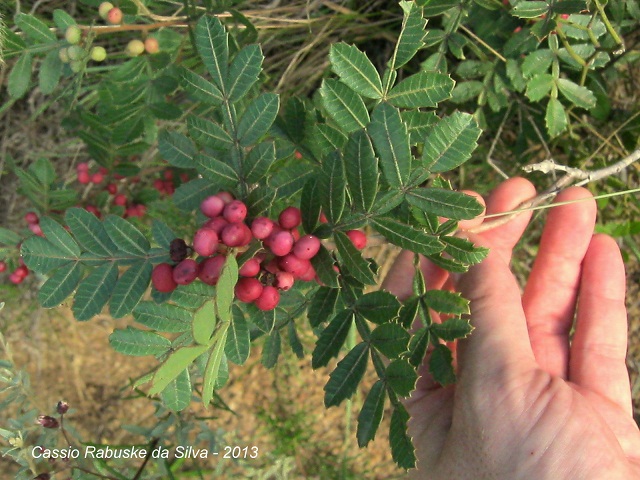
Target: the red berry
pixel 22 271
pixel 564 16
pixel 212 206
pixel 120 200
pixel 309 275
pixel 290 218
pixel 211 269
pixel 297 154
pixel 186 271
pixel 151 45
pixel 35 228
pixel 168 174
pixel 307 247
pixel 31 217
pixel 205 242
pixel 261 227
pixel 272 266
pixel 295 234
pixel 226 197
pixel 251 268
pixel 97 178
pixel 268 299
pixel 284 280
pixel 216 224
pixel 235 235
pixel 162 278
pixel 248 289
pixel 82 167
pixel 114 16
pixel 280 243
pixel 103 170
pixel 112 188
pixel 168 187
pixel 323 218
pixel 235 211
pixel 358 238
pixel 158 184
pixel 15 279
pixel 3 266
pixel 294 265
pixel 84 177
pixel 93 209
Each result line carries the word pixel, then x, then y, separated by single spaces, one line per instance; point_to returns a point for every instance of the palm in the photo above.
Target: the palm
pixel 528 403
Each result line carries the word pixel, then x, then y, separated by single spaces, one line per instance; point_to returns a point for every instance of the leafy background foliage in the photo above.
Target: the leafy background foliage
pixel 375 153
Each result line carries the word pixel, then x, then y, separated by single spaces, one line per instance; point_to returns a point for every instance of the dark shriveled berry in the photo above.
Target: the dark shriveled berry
pixel 178 250
pixel 47 422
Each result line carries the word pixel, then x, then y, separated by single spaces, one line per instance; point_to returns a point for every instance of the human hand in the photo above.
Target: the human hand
pixel 531 401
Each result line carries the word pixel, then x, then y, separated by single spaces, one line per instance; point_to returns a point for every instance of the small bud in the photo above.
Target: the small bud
pixel 62 407
pixel 98 54
pixel 63 54
pixel 47 422
pixel 73 34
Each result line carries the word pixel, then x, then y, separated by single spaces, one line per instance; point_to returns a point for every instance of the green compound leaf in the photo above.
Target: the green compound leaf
pixel 378 307
pixel 89 232
pixel 94 291
pixel 450 142
pixel 424 89
pixel 322 305
pixel 20 76
pixel 555 117
pixel 41 256
pixel 445 203
pixel 323 264
pixel 130 288
pixel 418 346
pixel 332 183
pixel 9 238
pixel 60 285
pixel 204 322
pixel 217 172
pixel 539 87
pixel 212 43
pixel 444 301
pixel 162 234
pixel 391 141
pixel 174 365
pixel 345 378
pixel 225 289
pixel 357 266
pixel 441 365
pixel 390 339
pixel 177 395
pixel 50 72
pixel 463 250
pixel 238 343
pixel 258 161
pixel 214 372
pixel 138 343
pixel 451 329
pixel 34 28
pixel 258 118
pixel 332 338
pixel 412 34
pixel 59 237
pixel 402 450
pixel 529 9
pixel 576 94
pixel 199 88
pixel 537 63
pixel 294 341
pixel 344 105
pixel 125 236
pixel 62 19
pixel 371 414
pixel 419 124
pixel 192 296
pixel 401 377
pixel 188 196
pixel 244 71
pixel 356 70
pixel 325 139
pixel 208 134
pixel 407 236
pixel 163 317
pixel 271 350
pixel 176 149
pixel 361 170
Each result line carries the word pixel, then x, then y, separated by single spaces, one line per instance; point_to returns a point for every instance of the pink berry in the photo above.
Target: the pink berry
pixel 216 224
pixel 205 242
pixel 284 280
pixel 248 289
pixel 358 238
pixel 268 299
pixel 82 167
pixel 309 275
pixel 211 269
pixel 226 197
pixel 186 271
pixel 251 268
pixel 31 217
pixel 212 206
pixel 15 279
pixel 235 235
pixel 168 174
pixel 280 243
pixel 22 271
pixel 294 265
pixel 84 177
pixel 272 266
pixel 235 211
pixel 114 16
pixel 295 234
pixel 3 266
pixel 162 278
pixel 112 188
pixel 158 184
pixel 261 227
pixel 35 228
pixel 307 247
pixel 120 200
pixel 97 178
pixel 290 218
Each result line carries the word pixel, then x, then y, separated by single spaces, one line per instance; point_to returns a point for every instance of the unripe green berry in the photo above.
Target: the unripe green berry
pixel 76 65
pixel 75 52
pixel 98 54
pixel 134 48
pixel 64 55
pixel 114 16
pixel 73 34
pixel 104 9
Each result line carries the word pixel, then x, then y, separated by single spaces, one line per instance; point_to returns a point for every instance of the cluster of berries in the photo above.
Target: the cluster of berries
pixel 285 255
pixel 18 275
pixel 77 53
pixel 113 15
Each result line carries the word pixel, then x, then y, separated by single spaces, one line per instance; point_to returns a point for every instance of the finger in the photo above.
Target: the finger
pixel 550 295
pixel 599 345
pixel 507 196
pixel 499 345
